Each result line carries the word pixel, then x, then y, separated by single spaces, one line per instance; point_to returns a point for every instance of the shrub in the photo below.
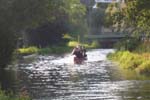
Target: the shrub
pixel 129 44
pixel 45 51
pixel 143 47
pixel 29 50
pixel 144 68
pixel 134 61
pixel 3 96
pixel 54 50
pixel 72 43
pixel 95 44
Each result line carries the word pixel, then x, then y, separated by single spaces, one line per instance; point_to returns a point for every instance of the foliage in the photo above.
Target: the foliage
pixel 67 36
pixel 94 44
pixel 128 44
pixel 143 47
pixel 16 16
pixel 133 17
pixel 133 61
pixel 115 19
pixel 19 15
pixel 54 50
pixel 68 17
pixel 73 43
pixel 77 19
pixel 96 18
pixel 3 96
pixel 144 68
pixel 138 13
pixel 29 50
pixel 47 50
pixel 7 45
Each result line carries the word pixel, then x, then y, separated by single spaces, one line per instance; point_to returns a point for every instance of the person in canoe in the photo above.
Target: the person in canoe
pixel 84 52
pixel 80 54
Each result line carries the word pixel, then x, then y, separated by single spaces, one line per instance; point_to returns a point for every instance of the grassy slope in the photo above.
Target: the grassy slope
pixel 138 62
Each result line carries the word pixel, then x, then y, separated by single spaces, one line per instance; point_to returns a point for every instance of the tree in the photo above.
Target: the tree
pixel 138 14
pixel 15 16
pixel 68 17
pixel 19 15
pixel 134 16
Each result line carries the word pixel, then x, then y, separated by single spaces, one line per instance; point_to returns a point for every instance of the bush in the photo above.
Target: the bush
pixel 29 50
pixel 54 50
pixel 133 61
pixel 3 96
pixel 73 43
pixel 129 44
pixel 143 47
pixel 95 44
pixel 45 51
pixel 144 68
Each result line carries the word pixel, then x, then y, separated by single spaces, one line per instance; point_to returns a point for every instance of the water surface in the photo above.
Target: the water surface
pixel 57 78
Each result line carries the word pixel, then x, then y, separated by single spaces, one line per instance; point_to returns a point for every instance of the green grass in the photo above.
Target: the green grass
pixel 28 50
pixel 94 44
pixel 3 96
pixel 55 50
pixel 58 49
pixel 133 61
pixel 47 50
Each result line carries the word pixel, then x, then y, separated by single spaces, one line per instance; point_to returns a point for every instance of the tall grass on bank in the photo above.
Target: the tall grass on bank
pixel 47 50
pixel 28 50
pixel 138 62
pixel 3 96
pixel 58 49
pixel 94 44
pixel 54 50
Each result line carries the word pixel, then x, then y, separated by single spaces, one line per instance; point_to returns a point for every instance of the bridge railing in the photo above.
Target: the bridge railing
pixel 107 35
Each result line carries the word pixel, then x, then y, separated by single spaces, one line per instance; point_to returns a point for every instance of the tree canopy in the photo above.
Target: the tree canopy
pixel 134 15
pixel 138 14
pixel 19 15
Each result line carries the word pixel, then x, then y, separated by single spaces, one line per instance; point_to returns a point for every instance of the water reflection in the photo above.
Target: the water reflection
pixel 50 78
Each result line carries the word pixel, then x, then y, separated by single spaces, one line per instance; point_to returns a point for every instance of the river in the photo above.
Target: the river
pixel 57 78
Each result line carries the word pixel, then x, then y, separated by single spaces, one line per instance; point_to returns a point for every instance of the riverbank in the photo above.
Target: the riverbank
pixel 4 96
pixel 55 49
pixel 132 61
pixel 43 51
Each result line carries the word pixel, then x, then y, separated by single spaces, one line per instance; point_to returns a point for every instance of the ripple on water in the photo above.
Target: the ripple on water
pixel 58 79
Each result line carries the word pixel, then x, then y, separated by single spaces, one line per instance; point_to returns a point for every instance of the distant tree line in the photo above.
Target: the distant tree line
pixel 42 22
pixel 132 16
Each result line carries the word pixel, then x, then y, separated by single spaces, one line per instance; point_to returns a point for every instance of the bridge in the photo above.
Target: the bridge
pixel 107 40
pixel 106 36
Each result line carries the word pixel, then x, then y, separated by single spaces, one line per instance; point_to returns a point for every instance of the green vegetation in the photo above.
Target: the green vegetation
pixel 39 23
pixel 58 49
pixel 55 50
pixel 94 44
pixel 47 50
pixel 3 96
pixel 133 61
pixel 143 47
pixel 29 50
pixel 131 17
pixel 137 14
